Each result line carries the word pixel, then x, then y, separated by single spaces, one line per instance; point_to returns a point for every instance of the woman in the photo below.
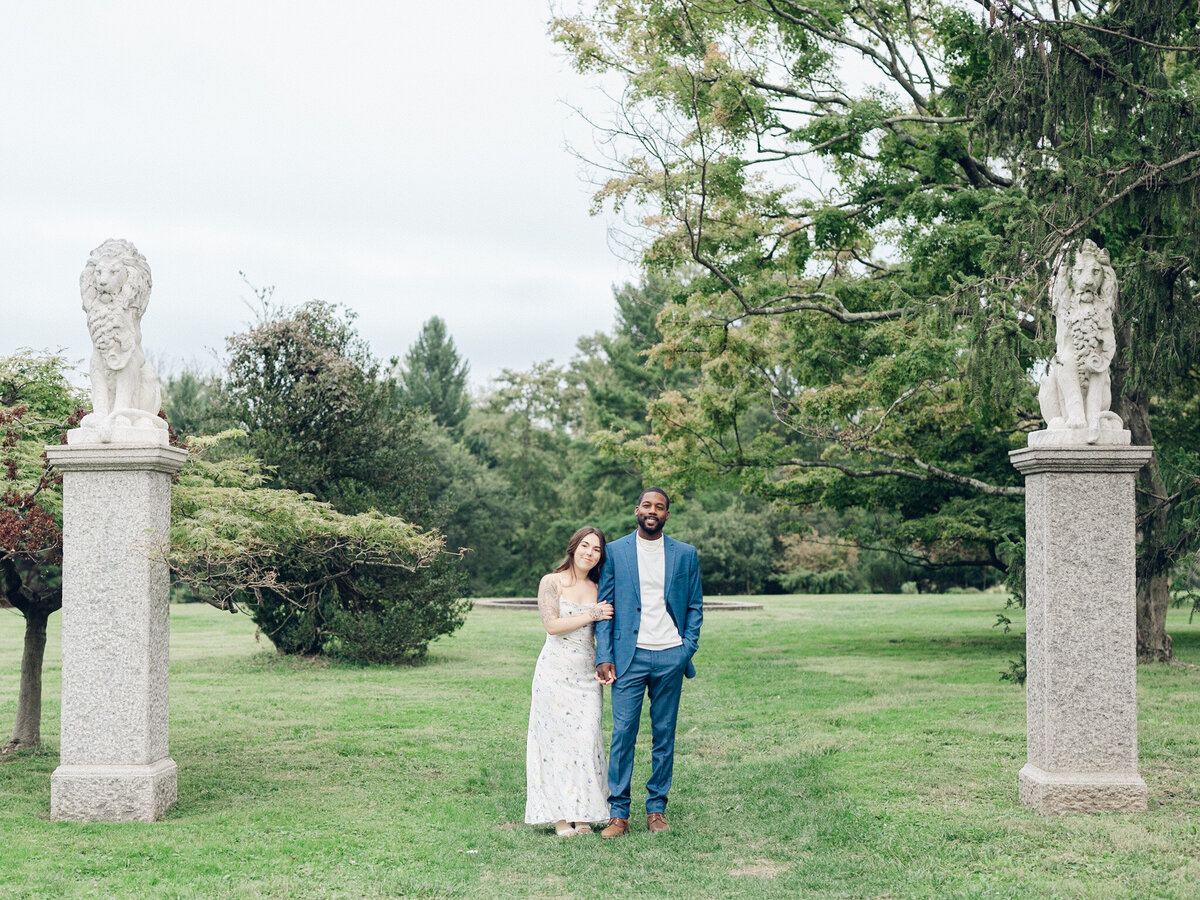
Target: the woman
pixel 566 770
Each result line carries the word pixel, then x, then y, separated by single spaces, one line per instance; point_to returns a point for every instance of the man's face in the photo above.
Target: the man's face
pixel 651 513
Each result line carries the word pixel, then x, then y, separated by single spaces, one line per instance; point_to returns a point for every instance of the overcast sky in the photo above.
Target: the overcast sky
pixel 405 159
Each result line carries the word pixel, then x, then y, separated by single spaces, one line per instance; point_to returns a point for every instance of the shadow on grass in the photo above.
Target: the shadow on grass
pixel 915 647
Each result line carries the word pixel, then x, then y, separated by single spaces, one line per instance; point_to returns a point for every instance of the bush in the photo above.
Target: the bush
pixel 836 581
pixel 303 571
pixel 406 614
pixel 385 616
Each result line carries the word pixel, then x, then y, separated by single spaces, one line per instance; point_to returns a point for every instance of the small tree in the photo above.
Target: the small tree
pixel 435 377
pixel 36 405
pixel 367 587
pixel 321 413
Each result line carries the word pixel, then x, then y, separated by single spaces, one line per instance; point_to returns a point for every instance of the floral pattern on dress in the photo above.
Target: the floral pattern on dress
pixel 565 762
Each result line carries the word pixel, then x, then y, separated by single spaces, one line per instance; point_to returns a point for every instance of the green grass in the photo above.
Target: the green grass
pixel 851 747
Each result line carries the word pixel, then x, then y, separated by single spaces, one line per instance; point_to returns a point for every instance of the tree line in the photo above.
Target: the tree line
pixel 350 504
pixel 508 471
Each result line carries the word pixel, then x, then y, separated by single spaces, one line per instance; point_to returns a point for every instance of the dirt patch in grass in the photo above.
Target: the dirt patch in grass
pixel 760 868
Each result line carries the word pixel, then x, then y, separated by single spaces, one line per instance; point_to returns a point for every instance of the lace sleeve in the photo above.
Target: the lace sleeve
pixel 548 597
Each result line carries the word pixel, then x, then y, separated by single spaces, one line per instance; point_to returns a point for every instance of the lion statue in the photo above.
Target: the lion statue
pixel 1076 391
pixel 115 286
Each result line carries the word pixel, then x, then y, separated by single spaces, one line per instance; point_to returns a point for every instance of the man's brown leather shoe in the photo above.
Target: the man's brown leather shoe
pixel 615 828
pixel 657 822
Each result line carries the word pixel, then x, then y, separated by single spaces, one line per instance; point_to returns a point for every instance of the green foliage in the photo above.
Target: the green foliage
pixel 472 502
pixel 523 432
pixel 1016 672
pixel 434 377
pixel 325 419
pixel 842 341
pixel 736 544
pixel 194 404
pixel 366 587
pixel 321 413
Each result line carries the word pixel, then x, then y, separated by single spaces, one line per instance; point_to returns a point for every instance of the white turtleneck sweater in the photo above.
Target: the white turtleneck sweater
pixel 657 630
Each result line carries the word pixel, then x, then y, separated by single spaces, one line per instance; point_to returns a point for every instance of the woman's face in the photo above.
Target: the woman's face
pixel 587 554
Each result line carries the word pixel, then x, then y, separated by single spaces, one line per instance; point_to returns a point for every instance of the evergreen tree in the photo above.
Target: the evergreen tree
pixel 1095 106
pixel 434 376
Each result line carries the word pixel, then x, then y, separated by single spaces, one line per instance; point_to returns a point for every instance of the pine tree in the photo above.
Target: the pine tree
pixel 434 376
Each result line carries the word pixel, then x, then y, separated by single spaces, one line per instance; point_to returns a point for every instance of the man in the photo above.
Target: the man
pixel 653 583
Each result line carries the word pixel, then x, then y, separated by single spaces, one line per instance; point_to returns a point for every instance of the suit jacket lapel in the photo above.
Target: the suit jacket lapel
pixel 670 560
pixel 633 571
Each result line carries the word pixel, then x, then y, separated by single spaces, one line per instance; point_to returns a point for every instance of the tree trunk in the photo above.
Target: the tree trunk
pixel 1153 564
pixel 1153 598
pixel 27 733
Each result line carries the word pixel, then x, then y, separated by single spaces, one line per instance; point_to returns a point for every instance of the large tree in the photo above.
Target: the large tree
pixel 865 257
pixel 1095 106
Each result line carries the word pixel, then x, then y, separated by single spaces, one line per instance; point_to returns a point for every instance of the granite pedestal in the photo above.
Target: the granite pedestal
pixel 114 764
pixel 1080 633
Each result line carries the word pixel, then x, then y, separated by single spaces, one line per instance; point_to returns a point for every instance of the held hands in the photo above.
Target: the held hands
pixel 606 673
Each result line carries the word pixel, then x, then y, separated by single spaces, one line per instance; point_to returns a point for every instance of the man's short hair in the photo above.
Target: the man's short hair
pixel 655 490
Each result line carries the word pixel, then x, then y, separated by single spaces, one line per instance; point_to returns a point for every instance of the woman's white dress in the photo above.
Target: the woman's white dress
pixel 565 763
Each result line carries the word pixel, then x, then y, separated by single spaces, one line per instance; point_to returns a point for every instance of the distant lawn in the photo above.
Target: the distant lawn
pixel 842 746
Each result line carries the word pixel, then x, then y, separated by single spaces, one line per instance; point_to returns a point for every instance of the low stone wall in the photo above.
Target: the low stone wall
pixel 530 603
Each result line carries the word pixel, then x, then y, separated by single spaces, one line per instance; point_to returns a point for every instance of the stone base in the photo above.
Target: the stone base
pixel 1077 437
pixel 118 435
pixel 95 793
pixel 1060 793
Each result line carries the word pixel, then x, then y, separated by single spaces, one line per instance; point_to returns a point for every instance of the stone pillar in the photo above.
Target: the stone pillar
pixel 114 765
pixel 1080 634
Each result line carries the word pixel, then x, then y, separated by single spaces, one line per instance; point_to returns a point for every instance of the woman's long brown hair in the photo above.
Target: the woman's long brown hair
pixel 573 544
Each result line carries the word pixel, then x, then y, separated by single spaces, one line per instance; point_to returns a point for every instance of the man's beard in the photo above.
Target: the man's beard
pixel 655 529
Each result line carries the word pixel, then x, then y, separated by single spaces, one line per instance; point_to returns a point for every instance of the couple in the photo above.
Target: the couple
pixel 642 596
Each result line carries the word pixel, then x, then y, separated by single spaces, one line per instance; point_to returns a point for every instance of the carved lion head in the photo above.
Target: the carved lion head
pixel 1083 275
pixel 118 271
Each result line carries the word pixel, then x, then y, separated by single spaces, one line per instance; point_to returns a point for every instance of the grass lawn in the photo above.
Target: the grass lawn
pixel 839 746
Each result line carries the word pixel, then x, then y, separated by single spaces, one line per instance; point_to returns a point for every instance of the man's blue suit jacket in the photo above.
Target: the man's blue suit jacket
pixel 616 638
